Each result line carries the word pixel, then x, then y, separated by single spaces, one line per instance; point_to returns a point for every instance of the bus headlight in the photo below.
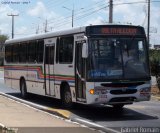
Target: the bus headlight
pixel 144 91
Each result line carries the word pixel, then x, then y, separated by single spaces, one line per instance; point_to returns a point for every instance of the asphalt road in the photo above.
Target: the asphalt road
pixel 141 117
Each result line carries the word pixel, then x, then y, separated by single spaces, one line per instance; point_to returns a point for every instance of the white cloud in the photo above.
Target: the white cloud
pixel 38 10
pixel 41 11
pixel 21 30
pixel 95 21
pixel 129 13
pixel 5 21
pixel 136 14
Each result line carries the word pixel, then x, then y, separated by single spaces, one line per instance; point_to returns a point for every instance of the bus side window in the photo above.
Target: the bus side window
pixel 66 50
pixel 40 51
pixel 23 52
pixel 15 53
pixel 8 53
pixel 32 51
pixel 57 50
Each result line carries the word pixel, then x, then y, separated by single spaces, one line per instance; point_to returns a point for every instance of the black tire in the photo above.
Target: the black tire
pixel 66 97
pixel 118 106
pixel 23 88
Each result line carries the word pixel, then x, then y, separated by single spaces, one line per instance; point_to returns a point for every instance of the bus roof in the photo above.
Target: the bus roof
pixel 47 35
pixel 59 33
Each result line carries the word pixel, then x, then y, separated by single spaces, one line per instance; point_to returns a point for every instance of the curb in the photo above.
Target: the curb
pixel 1 127
pixel 61 113
pixel 4 129
pixel 156 97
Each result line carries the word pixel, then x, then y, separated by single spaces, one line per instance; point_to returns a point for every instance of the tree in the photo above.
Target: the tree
pixel 3 38
pixel 154 57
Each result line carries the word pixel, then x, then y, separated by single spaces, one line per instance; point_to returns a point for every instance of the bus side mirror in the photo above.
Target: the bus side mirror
pixel 85 50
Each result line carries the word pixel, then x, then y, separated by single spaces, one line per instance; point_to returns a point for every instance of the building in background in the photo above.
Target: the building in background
pixel 157 46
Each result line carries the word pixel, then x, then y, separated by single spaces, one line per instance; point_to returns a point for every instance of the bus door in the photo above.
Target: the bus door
pixel 49 66
pixel 80 72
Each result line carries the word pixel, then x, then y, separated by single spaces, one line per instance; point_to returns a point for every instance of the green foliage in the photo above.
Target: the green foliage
pixel 3 38
pixel 154 57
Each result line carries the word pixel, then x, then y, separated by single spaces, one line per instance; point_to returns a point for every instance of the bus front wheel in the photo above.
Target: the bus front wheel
pixel 23 88
pixel 67 97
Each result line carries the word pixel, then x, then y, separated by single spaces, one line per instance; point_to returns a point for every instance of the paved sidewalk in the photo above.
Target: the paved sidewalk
pixel 30 120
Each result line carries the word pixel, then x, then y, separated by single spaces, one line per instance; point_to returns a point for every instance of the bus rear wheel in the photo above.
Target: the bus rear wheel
pixel 67 97
pixel 23 89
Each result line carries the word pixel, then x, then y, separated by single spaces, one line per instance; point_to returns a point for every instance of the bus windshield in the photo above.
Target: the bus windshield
pixel 117 58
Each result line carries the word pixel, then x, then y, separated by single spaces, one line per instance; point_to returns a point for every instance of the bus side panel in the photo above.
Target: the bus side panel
pixel 35 88
pixel 17 73
pixel 7 77
pixel 64 71
pixel 35 80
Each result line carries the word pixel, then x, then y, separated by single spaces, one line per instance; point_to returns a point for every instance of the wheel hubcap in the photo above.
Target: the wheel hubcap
pixel 68 97
pixel 23 89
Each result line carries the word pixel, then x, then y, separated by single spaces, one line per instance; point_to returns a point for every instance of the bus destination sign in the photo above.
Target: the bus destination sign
pixel 124 31
pixel 115 31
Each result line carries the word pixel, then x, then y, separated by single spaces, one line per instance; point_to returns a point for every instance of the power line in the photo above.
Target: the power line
pixel 84 13
pixel 81 17
pixel 76 12
pixel 136 2
pixel 77 16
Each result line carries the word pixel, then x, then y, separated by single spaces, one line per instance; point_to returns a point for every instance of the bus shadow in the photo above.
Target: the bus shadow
pixel 41 100
pixel 107 113
pixel 93 113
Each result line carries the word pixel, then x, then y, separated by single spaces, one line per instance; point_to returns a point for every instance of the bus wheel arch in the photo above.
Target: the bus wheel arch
pixel 23 88
pixel 66 96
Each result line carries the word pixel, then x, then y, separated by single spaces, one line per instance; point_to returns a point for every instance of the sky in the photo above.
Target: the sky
pixel 33 15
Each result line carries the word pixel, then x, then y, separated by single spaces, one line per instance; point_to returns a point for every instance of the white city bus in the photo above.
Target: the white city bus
pixel 99 64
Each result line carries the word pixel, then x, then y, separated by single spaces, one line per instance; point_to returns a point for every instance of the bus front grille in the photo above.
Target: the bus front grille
pixel 122 99
pixel 123 91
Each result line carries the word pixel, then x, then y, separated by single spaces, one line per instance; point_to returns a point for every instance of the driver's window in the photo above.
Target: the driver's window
pixel 141 52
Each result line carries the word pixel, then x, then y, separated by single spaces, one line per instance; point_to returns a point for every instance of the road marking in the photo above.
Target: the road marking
pixel 100 127
pixel 97 125
pixel 136 107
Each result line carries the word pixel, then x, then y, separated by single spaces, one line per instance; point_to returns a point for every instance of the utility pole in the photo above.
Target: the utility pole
pixel 45 29
pixel 72 16
pixel 148 25
pixel 72 13
pixel 37 30
pixel 110 11
pixel 13 15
